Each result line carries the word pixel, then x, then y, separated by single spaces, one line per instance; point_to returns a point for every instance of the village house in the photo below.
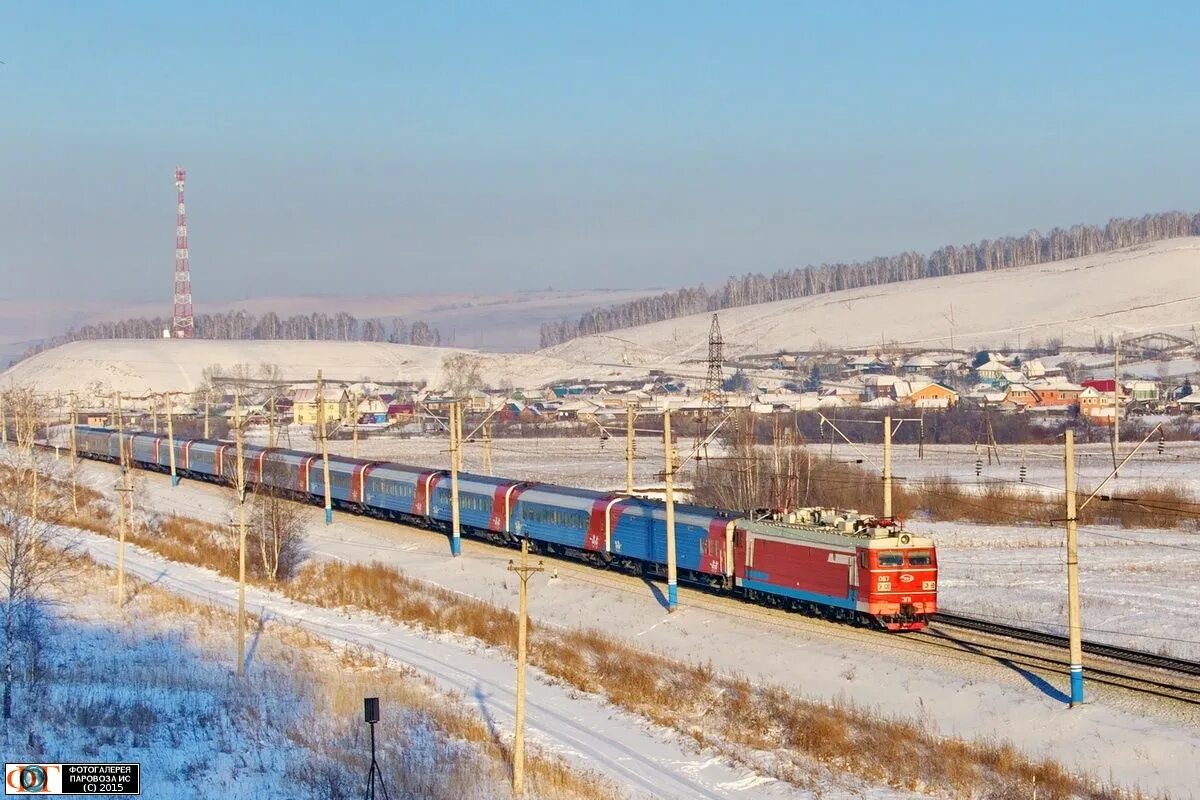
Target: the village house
pixel 304 405
pixel 1096 406
pixel 932 395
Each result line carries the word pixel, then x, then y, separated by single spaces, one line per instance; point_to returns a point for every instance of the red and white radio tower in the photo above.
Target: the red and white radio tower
pixel 181 321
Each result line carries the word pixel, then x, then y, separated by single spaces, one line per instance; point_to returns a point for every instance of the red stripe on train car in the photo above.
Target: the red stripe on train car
pixel 358 482
pixel 713 550
pixel 496 520
pixel 595 539
pixel 424 492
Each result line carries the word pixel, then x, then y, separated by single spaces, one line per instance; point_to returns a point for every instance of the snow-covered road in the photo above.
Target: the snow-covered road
pixel 650 762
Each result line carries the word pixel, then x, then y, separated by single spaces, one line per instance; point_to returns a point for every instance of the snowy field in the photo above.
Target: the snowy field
pixel 1134 741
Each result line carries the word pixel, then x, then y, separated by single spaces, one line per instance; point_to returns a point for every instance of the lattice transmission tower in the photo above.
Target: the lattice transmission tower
pixel 181 316
pixel 716 363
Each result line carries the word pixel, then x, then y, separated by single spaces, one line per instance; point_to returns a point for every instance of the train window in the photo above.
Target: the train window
pixel 920 558
pixel 892 558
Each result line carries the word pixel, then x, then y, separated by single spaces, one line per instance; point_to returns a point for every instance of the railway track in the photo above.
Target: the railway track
pixel 1112 652
pixel 1132 670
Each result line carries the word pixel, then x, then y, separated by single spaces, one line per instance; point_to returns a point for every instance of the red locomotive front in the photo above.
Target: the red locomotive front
pixel 898 580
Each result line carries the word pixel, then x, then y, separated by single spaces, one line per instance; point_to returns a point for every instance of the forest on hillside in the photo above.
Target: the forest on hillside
pixel 240 324
pixel 990 254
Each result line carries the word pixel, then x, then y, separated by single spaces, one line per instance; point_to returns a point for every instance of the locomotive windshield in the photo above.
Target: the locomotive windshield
pixel 920 558
pixel 892 558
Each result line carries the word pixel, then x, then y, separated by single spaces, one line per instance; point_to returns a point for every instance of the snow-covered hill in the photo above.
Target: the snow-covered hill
pixel 1141 289
pixel 138 366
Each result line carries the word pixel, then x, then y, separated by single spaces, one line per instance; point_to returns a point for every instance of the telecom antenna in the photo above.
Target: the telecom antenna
pixel 181 319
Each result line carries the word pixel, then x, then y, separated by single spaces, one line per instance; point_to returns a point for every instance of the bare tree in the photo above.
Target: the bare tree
pixel 277 527
pixel 463 373
pixel 35 552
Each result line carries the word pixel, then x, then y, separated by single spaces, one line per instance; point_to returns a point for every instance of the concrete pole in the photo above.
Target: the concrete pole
pixel 207 403
pixel 3 423
pixel 122 522
pixel 1074 626
pixel 455 448
pixel 241 497
pixel 629 449
pixel 324 446
pixel 669 487
pixel 887 466
pixel 171 437
pixel 524 572
pixel 154 412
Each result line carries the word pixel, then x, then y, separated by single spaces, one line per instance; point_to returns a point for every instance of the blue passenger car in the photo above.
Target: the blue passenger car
pixel 394 488
pixel 480 501
pixel 555 514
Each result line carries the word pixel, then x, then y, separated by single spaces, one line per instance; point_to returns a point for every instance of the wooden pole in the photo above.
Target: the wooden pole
pixel 171 437
pixel 525 571
pixel 487 450
pixel 1116 431
pixel 455 455
pixel 74 455
pixel 669 491
pixel 241 493
pixel 324 446
pixel 629 446
pixel 887 466
pixel 1074 626
pixel 354 413
pixel 122 522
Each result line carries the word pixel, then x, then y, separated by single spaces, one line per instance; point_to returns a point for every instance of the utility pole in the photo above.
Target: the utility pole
pixel 455 464
pixel 487 450
pixel 122 492
pixel 354 414
pixel 887 466
pixel 1116 436
pixel 3 423
pixel 207 402
pixel 1074 627
pixel 241 493
pixel 154 413
pixel 74 456
pixel 629 448
pixel 669 492
pixel 525 571
pixel 171 437
pixel 324 446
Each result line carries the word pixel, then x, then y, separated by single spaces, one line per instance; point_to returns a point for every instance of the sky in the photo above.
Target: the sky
pixel 361 148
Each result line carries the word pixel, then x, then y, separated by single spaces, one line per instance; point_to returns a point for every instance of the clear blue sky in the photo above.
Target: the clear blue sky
pixel 360 147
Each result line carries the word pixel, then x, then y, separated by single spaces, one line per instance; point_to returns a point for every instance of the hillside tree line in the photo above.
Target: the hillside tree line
pixel 990 254
pixel 240 324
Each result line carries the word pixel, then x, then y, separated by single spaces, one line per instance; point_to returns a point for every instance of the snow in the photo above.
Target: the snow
pixel 1133 740
pixel 1140 289
pixel 650 762
pixel 141 366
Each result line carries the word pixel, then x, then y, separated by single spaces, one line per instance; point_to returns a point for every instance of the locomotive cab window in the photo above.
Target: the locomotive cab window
pixel 920 558
pixel 891 558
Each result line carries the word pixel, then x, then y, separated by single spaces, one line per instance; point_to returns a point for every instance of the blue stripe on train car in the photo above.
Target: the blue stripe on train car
pixel 392 488
pixel 812 597
pixel 555 514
